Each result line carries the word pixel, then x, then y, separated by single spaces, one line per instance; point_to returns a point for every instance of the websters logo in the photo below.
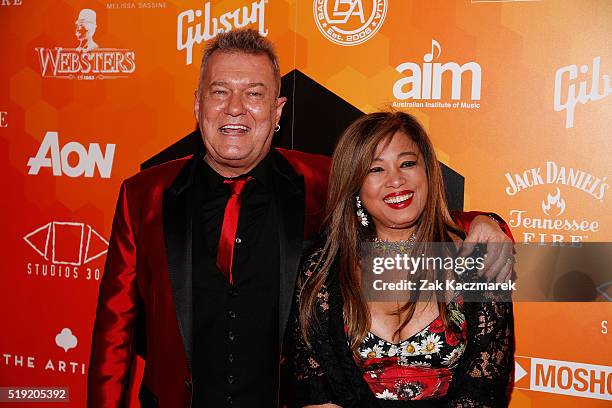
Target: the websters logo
pixel 555 225
pixel 5 3
pixel 426 82
pixel 50 155
pixel 349 22
pixel 87 61
pixel 65 247
pixel 195 26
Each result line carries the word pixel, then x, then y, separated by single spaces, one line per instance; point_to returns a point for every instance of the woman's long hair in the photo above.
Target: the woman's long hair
pixel 351 162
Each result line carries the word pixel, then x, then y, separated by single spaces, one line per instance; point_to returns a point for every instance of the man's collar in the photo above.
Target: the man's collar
pixel 262 173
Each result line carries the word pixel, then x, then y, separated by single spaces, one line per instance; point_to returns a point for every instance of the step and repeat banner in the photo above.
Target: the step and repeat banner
pixel 515 95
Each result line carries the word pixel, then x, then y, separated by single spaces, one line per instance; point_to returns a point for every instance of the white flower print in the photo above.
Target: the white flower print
pixel 420 364
pixel 373 352
pixel 454 355
pixel 365 352
pixel 431 344
pixel 387 395
pixel 378 350
pixel 393 350
pixel 407 389
pixel 411 349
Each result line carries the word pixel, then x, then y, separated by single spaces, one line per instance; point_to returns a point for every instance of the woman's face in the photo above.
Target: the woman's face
pixel 395 190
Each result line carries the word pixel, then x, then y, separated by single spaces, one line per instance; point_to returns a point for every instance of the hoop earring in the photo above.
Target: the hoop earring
pixel 277 127
pixel 361 214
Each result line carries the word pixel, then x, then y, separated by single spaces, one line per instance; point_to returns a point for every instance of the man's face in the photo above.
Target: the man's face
pixel 82 30
pixel 237 111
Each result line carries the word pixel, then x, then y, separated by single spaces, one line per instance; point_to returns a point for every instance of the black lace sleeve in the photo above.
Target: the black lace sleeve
pixel 484 376
pixel 309 382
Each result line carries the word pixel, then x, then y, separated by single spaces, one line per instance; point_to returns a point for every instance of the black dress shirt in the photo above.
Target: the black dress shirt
pixel 236 326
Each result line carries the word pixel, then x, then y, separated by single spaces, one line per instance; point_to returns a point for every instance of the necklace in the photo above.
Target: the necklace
pixel 401 246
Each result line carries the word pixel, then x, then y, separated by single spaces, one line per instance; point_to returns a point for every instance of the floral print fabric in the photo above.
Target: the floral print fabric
pixel 419 367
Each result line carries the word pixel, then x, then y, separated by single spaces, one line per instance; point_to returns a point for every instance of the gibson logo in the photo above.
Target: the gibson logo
pixel 582 96
pixel 191 31
pixel 87 61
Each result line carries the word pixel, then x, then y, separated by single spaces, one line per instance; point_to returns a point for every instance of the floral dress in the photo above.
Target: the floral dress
pixel 419 367
pixel 467 368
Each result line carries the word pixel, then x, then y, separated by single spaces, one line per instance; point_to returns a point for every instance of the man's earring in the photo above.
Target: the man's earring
pixel 277 127
pixel 361 214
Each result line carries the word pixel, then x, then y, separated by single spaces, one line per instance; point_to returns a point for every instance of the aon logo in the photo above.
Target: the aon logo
pixel 88 160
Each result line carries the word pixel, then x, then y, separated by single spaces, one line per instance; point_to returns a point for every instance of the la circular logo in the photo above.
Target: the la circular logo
pixel 349 22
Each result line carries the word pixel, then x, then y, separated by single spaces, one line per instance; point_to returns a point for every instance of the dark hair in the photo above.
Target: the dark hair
pixel 351 162
pixel 245 41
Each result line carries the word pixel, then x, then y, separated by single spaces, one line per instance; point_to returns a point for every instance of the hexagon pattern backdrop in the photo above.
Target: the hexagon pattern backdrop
pixel 516 96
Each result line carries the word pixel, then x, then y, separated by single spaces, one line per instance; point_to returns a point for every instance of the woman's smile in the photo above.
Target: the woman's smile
pixel 399 200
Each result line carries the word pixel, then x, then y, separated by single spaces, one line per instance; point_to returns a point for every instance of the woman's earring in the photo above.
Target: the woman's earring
pixel 277 127
pixel 361 214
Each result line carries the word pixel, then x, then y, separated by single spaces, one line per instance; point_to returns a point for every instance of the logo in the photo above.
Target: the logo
pixel 563 377
pixel 554 201
pixel 426 82
pixel 500 1
pixel 66 247
pixel 88 160
pixel 66 340
pixel 349 22
pixel 11 3
pixel 3 119
pixel 68 251
pixel 577 92
pixel 195 26
pixel 551 226
pixel 87 61
pixel 123 5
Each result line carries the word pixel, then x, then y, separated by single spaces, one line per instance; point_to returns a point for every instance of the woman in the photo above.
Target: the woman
pixel 386 187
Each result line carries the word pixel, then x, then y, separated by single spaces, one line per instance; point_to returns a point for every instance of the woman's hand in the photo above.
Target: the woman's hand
pixel 499 262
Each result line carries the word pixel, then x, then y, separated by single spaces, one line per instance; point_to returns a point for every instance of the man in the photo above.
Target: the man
pixel 207 248
pixel 85 30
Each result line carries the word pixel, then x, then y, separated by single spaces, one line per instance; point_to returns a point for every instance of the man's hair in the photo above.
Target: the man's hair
pixel 244 41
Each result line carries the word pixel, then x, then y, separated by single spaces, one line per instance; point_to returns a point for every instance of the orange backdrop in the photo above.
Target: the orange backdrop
pixel 515 95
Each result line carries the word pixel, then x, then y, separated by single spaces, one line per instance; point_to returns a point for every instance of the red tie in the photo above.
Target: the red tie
pixel 225 253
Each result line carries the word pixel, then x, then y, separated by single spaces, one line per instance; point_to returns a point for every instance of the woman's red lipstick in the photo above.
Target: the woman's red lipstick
pixel 403 203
